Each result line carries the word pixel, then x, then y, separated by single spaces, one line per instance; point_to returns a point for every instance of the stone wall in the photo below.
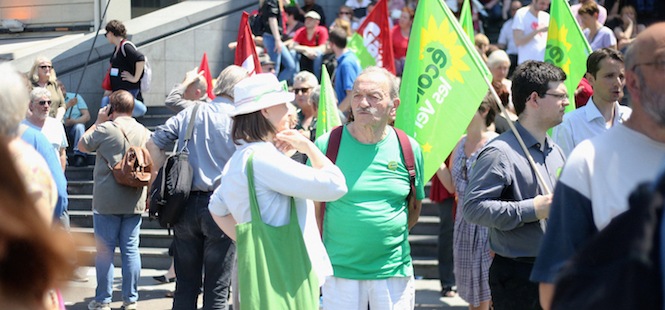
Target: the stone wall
pixel 174 40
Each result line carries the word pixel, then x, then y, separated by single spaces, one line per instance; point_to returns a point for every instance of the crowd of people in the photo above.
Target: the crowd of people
pixel 284 217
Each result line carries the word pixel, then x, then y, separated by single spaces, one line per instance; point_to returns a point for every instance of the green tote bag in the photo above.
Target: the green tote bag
pixel 274 270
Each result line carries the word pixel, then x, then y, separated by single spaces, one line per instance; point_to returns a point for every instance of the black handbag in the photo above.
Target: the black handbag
pixel 170 190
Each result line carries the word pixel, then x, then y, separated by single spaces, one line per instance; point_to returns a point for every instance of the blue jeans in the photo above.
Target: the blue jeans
pixel 74 133
pixel 200 245
pixel 285 58
pixel 139 107
pixel 121 229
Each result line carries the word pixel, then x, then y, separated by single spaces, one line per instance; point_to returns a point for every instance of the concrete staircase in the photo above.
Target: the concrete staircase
pixel 156 240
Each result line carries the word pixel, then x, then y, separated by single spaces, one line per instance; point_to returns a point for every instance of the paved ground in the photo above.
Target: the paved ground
pixel 152 294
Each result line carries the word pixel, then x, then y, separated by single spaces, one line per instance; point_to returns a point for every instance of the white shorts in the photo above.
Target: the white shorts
pixel 397 293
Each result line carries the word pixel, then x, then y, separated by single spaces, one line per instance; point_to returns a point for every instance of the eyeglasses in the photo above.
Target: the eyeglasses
pixel 563 96
pixel 464 170
pixel 658 65
pixel 303 90
pixel 43 102
pixel 345 13
pixel 46 67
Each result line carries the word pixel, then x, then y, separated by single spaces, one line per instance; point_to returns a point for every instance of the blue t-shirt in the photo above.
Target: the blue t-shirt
pixel 348 68
pixel 75 111
pixel 43 146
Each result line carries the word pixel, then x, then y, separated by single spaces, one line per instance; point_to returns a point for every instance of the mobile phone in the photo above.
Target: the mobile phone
pixel 111 109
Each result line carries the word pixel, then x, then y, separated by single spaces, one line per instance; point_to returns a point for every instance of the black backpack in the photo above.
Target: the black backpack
pixel 619 268
pixel 170 190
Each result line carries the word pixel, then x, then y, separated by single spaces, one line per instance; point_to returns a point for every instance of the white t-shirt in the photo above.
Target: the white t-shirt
pixel 608 167
pixel 527 22
pixel 277 178
pixel 506 37
pixel 54 132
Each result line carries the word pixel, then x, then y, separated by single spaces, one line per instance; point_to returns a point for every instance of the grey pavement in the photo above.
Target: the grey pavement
pixel 152 294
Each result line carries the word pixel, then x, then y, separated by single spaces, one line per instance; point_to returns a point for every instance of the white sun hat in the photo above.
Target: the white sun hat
pixel 258 92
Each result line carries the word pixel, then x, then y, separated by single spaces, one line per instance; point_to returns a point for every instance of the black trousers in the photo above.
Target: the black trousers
pixel 510 285
pixel 200 245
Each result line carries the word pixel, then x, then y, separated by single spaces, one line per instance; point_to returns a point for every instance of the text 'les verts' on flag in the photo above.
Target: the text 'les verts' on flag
pixel 442 85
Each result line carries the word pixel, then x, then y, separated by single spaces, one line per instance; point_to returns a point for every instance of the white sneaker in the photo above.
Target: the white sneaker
pixel 129 305
pixel 93 305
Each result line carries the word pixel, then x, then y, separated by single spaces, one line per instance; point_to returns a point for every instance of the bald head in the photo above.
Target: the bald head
pixel 645 71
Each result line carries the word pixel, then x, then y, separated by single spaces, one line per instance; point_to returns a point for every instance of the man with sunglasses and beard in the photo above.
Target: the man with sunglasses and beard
pixel 40 106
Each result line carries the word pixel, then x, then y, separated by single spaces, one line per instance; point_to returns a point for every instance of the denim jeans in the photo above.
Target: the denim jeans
pixel 121 229
pixel 200 245
pixel 285 58
pixel 139 107
pixel 74 133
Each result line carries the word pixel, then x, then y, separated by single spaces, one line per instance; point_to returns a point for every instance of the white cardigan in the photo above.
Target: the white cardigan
pixel 277 178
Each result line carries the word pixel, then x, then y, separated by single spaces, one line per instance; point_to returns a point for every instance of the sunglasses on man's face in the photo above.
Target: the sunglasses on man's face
pixel 46 67
pixel 301 90
pixel 345 13
pixel 43 102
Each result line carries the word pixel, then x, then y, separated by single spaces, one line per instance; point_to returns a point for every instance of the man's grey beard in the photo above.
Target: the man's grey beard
pixel 652 102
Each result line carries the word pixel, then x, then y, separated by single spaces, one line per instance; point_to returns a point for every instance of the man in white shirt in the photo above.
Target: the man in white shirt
pixel 601 172
pixel 606 74
pixel 506 41
pixel 40 104
pixel 530 25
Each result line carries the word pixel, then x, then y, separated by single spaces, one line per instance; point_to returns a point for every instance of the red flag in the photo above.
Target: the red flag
pixel 375 31
pixel 246 56
pixel 204 67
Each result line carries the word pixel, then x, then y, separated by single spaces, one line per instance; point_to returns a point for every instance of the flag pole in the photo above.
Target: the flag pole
pixel 519 138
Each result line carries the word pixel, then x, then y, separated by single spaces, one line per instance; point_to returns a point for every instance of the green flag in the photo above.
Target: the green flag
pixel 466 20
pixel 567 48
pixel 328 116
pixel 443 83
pixel 357 46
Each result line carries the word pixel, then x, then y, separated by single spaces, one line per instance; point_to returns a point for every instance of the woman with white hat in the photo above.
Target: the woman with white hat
pixel 281 259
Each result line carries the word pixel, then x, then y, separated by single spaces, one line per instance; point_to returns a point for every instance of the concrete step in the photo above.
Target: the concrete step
pixel 423 245
pixel 154 119
pixel 427 225
pixel 425 267
pixel 79 173
pixel 151 258
pixel 84 219
pixel 79 187
pixel 80 203
pixel 150 238
pixel 430 208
